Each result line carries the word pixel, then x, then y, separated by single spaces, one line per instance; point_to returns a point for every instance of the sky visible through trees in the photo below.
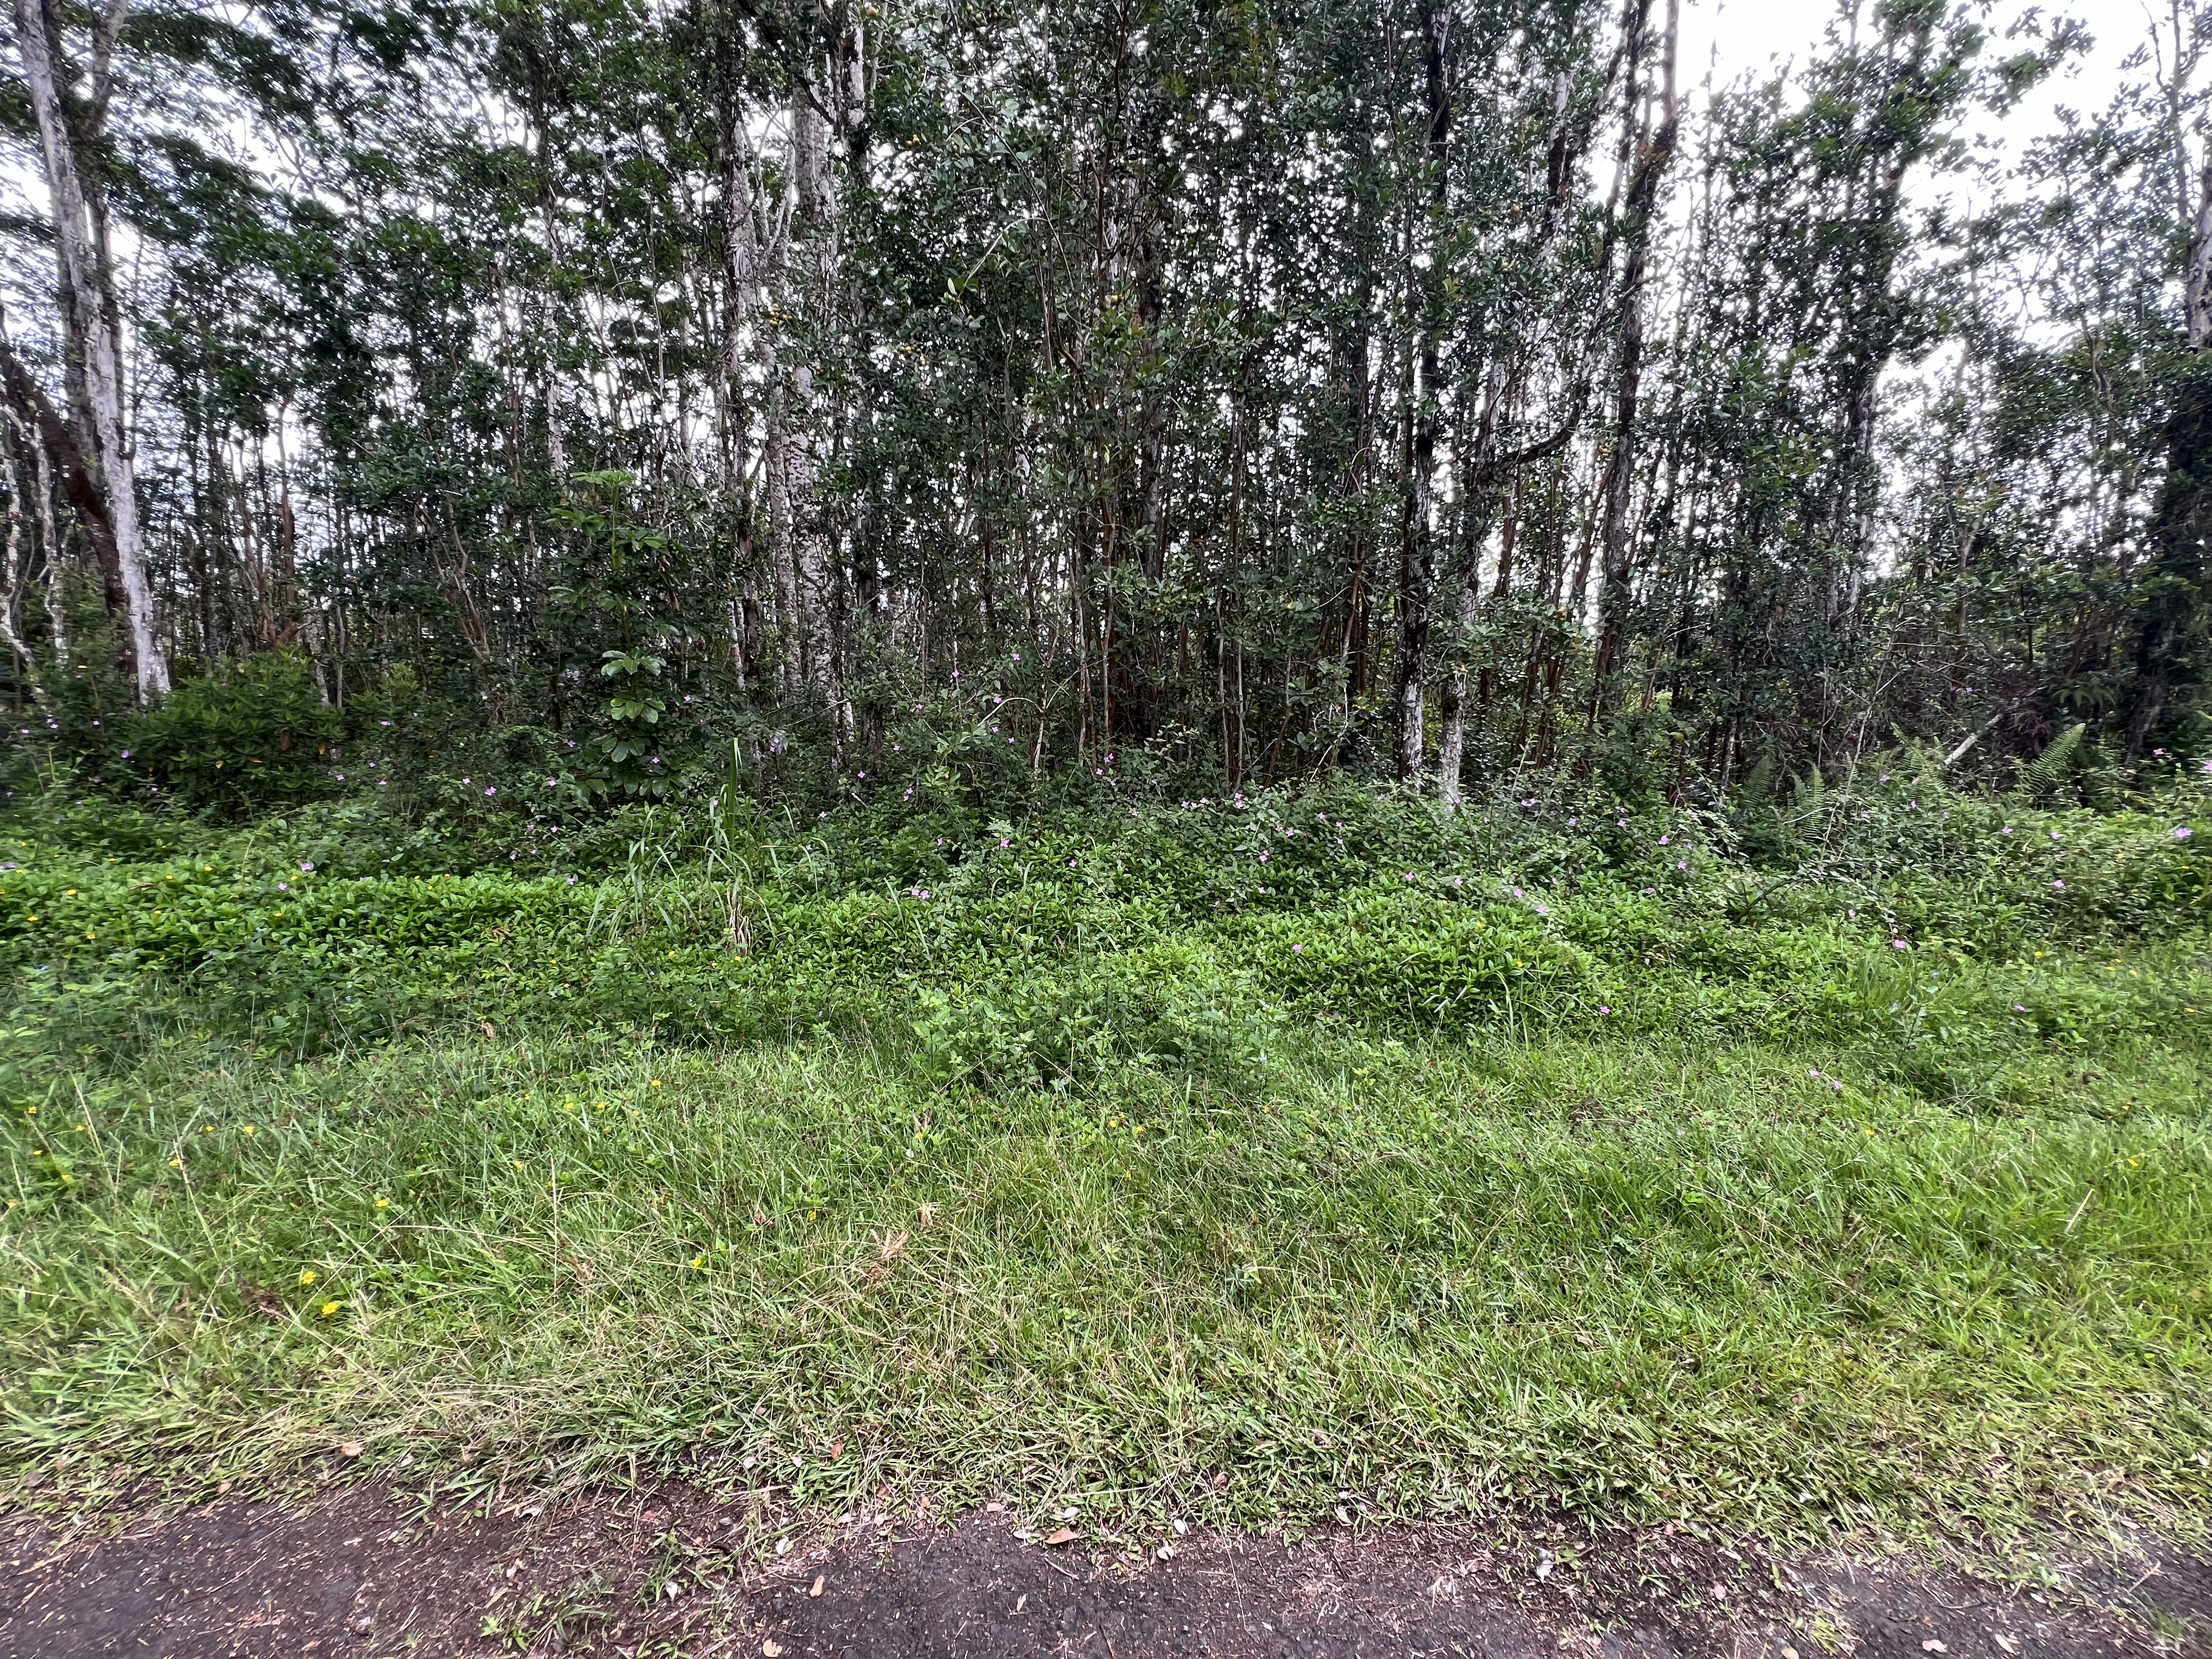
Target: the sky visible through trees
pixel 1438 390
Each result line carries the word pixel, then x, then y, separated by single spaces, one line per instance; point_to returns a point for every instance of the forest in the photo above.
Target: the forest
pixel 1172 392
pixel 1116 787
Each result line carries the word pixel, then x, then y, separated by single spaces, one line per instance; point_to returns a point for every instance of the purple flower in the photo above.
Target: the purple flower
pixel 307 869
pixel 1663 840
pixel 282 888
pixel 1604 1008
pixel 2020 1007
pixel 2182 832
pixel 491 789
pixel 1297 949
pixel 1263 858
pixel 552 783
pixel 2058 886
pixel 1899 945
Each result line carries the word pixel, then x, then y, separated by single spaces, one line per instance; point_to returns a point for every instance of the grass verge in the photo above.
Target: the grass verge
pixel 1761 1284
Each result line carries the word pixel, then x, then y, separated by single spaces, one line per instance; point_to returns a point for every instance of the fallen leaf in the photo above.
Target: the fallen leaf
pixel 1931 1646
pixel 1065 1535
pixel 837 1449
pixel 815 1589
pixel 771 1649
pixel 2004 1641
pixel 351 1449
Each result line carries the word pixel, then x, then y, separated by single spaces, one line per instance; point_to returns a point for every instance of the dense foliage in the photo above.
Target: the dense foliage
pixel 1235 392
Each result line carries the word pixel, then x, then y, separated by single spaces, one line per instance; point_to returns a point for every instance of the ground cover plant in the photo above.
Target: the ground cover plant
pixel 1838 1167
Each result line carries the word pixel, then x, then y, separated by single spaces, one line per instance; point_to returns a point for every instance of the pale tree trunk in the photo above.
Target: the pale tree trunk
pixel 1654 151
pixel 741 278
pixel 18 561
pixel 1417 572
pixel 806 546
pixel 1451 746
pixel 92 329
pixel 2199 273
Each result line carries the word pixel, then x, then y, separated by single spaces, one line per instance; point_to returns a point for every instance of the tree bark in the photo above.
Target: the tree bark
pixel 1417 573
pixel 91 330
pixel 1654 152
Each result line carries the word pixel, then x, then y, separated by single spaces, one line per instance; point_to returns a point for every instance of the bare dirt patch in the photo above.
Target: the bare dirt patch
pixel 370 1570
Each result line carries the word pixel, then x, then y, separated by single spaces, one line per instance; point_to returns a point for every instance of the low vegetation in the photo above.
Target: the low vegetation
pixel 1838 1164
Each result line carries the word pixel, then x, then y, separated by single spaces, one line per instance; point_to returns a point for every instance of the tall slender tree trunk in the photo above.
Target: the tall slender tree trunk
pixel 91 325
pixel 1417 573
pixel 1654 151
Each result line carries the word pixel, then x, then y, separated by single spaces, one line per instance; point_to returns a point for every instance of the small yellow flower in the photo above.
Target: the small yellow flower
pixel 176 1163
pixel 245 1128
pixel 698 1261
pixel 308 1277
pixel 330 1308
pixel 383 1203
pixel 655 1083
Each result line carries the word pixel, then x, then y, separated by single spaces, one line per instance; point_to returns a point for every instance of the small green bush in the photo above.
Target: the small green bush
pixel 254 734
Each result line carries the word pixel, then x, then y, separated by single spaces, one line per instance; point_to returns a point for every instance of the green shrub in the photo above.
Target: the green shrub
pixel 254 734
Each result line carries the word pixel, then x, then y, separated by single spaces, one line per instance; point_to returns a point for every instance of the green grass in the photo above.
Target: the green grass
pixel 1647 1203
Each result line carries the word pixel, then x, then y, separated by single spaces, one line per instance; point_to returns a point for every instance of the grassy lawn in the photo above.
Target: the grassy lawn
pixel 1918 1255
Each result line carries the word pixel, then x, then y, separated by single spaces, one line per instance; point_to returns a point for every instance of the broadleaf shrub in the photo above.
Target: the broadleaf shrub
pixel 253 734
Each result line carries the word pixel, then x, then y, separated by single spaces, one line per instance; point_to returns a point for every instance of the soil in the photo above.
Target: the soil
pixel 368 1571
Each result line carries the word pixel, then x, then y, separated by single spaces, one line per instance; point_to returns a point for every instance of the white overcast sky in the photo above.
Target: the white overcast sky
pixel 1730 39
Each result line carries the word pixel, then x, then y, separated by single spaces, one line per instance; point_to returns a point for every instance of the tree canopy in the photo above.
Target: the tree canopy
pixel 1207 389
